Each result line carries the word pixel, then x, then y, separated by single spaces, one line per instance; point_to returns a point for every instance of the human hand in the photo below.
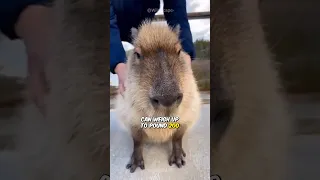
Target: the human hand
pixel 121 71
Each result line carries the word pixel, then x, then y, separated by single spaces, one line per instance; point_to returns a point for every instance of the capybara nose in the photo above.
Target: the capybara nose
pixel 167 100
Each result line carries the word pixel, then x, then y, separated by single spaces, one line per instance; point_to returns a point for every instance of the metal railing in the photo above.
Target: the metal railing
pixel 191 16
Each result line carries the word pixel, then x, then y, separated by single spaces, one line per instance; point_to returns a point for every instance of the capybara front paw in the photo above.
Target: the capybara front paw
pixel 177 158
pixel 136 161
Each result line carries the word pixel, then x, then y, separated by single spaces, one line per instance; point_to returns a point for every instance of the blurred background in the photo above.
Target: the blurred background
pixel 292 32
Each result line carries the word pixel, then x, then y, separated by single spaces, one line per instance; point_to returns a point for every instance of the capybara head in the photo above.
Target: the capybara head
pixel 157 67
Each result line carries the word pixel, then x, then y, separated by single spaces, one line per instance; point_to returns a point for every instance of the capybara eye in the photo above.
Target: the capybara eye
pixel 137 55
pixel 179 51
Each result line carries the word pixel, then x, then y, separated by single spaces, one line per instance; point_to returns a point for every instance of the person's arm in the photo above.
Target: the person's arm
pixel 117 52
pixel 33 27
pixel 175 12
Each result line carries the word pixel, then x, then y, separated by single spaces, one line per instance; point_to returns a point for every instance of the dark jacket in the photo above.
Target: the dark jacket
pixel 125 14
pixel 10 11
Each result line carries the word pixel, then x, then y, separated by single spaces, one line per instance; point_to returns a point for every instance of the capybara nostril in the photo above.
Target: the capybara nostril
pixel 166 100
pixel 154 101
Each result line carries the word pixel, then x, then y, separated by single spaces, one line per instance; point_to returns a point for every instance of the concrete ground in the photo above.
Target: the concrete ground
pixel 196 145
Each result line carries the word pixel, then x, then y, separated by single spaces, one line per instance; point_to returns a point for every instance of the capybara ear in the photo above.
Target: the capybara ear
pixel 134 33
pixel 176 29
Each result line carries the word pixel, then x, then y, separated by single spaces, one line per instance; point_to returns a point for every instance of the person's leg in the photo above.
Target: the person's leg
pixel 130 13
pixel 148 10
pixel 127 12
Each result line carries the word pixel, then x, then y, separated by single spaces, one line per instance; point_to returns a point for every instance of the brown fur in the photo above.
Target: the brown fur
pixel 71 143
pixel 169 69
pixel 159 69
pixel 255 144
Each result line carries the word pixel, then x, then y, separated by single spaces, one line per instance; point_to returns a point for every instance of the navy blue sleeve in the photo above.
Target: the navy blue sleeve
pixel 10 12
pixel 117 52
pixel 175 12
